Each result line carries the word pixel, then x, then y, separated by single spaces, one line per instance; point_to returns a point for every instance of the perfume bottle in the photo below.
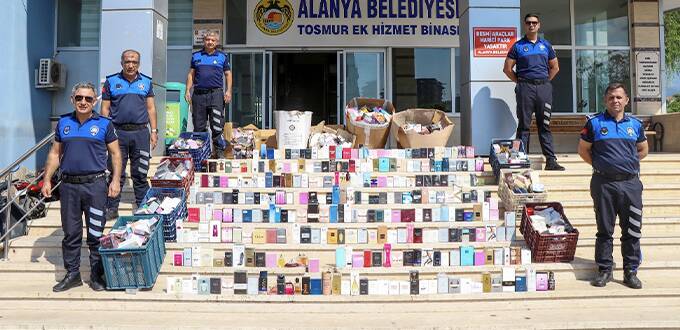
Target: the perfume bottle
pixel 289 289
pixel 326 282
pixel 551 281
pixel 387 260
pixel 281 262
pixel 298 286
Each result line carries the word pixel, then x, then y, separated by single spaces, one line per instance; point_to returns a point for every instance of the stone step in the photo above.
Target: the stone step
pixel 568 192
pixel 610 307
pixel 657 284
pixel 582 177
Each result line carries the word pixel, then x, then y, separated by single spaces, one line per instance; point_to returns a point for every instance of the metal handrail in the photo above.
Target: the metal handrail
pixel 27 154
pixel 7 175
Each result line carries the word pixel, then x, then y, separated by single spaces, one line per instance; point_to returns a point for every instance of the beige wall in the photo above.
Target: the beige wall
pixel 671 138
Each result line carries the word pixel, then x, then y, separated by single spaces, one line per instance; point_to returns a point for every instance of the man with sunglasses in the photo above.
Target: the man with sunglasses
pixel 536 65
pixel 209 70
pixel 81 141
pixel 128 98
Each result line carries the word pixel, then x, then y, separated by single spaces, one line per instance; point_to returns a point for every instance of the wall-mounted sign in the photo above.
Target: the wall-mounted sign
pixel 493 41
pixel 350 23
pixel 648 80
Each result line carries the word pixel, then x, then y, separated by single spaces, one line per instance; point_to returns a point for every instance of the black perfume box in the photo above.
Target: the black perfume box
pixel 363 286
pixel 215 285
pixel 414 282
pixel 228 259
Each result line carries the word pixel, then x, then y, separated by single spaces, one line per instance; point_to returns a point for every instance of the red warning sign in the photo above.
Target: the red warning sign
pixel 493 41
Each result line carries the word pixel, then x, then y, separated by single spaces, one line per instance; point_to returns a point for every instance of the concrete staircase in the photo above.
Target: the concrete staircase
pixel 35 264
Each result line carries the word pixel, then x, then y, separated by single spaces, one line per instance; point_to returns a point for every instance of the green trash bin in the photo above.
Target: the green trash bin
pixel 176 111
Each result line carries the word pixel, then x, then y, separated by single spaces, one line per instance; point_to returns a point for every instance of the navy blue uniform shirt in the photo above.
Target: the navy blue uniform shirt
pixel 84 146
pixel 614 143
pixel 532 58
pixel 209 68
pixel 128 99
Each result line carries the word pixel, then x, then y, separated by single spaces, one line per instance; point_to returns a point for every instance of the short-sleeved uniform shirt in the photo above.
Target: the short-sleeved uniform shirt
pixel 614 147
pixel 532 58
pixel 128 98
pixel 84 145
pixel 209 68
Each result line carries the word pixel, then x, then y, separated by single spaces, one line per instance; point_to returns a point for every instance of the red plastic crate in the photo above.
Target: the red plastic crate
pixel 547 247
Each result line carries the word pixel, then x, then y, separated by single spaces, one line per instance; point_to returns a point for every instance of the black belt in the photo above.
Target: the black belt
pixel 80 179
pixel 616 177
pixel 534 81
pixel 201 91
pixel 130 127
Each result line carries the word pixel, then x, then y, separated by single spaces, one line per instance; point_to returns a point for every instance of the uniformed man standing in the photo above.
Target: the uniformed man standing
pixel 128 98
pixel 209 69
pixel 614 143
pixel 81 141
pixel 536 65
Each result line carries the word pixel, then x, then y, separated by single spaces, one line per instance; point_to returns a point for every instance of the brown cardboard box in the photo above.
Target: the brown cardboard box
pixel 333 129
pixel 372 138
pixel 261 136
pixel 421 116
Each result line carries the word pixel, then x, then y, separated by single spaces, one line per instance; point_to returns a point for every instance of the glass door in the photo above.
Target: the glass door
pixel 364 74
pixel 250 84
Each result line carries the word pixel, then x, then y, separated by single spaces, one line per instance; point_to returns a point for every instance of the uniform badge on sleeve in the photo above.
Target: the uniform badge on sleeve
pixel 66 130
pixel 604 131
pixel 94 130
pixel 141 86
pixel 630 131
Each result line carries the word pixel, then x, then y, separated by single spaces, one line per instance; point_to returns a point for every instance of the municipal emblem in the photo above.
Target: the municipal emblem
pixel 604 131
pixel 67 130
pixel 214 61
pixel 630 131
pixel 94 130
pixel 119 86
pixel 526 49
pixel 141 86
pixel 273 17
pixel 541 47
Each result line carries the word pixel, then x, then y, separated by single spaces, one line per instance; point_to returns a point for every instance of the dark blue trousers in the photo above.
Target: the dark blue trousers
pixel 207 106
pixel 535 99
pixel 622 198
pixel 87 199
pixel 135 146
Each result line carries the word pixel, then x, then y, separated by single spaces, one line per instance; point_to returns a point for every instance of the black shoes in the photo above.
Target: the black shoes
pixel 97 283
pixel 552 165
pixel 630 280
pixel 602 278
pixel 111 215
pixel 71 280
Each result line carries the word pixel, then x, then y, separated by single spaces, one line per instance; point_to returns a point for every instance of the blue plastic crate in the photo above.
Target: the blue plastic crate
pixel 198 155
pixel 496 164
pixel 169 220
pixel 135 268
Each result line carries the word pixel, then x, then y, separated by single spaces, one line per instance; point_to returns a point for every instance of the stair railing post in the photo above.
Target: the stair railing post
pixel 8 217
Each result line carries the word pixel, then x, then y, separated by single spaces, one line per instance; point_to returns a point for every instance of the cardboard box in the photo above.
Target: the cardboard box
pixel 424 117
pixel 260 136
pixel 333 129
pixel 372 138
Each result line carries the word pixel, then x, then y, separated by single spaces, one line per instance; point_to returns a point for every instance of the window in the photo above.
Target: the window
pixel 237 21
pixel 422 78
pixel 180 22
pixel 601 22
pixel 555 19
pixel 562 91
pixel 595 69
pixel 78 23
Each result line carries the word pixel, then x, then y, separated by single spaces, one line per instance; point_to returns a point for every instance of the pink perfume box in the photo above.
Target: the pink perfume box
pixel 480 258
pixel 314 265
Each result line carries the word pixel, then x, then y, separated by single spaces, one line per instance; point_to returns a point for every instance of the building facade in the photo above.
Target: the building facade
pixel 318 54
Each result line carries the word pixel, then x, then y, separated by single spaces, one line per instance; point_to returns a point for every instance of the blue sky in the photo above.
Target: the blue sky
pixel 673 85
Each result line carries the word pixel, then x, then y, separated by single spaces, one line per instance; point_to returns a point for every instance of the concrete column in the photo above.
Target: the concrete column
pixel 141 25
pixel 488 103
pixel 208 15
pixel 647 82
